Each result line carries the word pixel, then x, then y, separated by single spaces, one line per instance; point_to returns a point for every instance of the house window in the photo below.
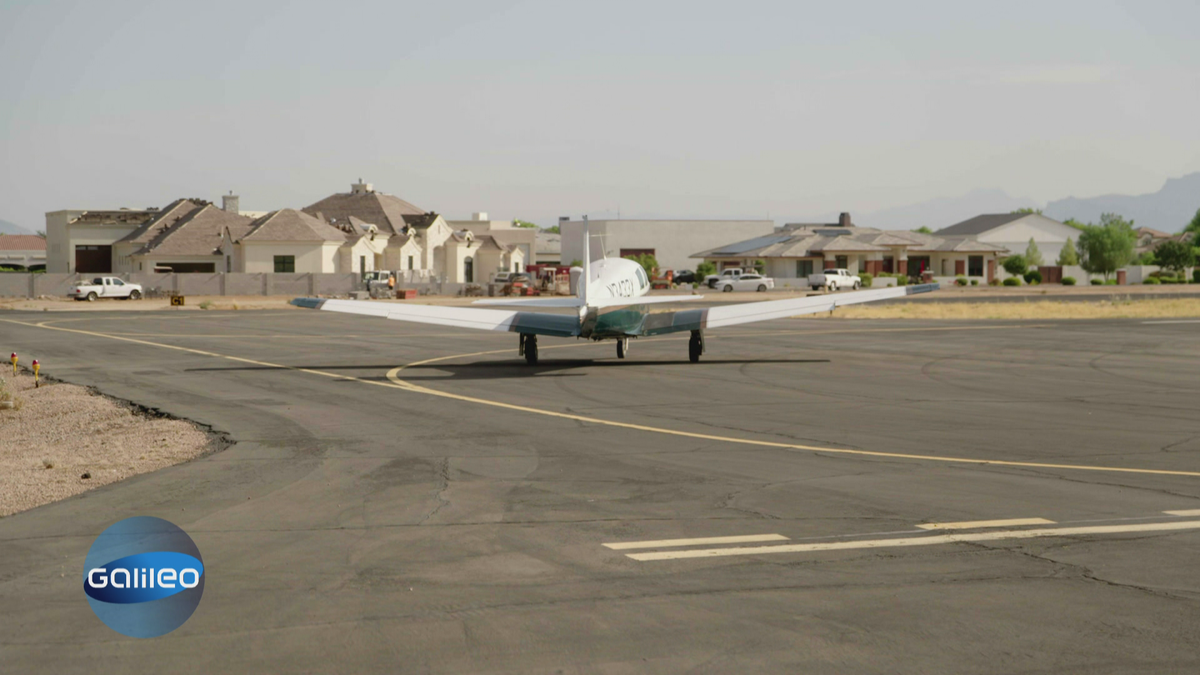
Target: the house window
pixel 228 264
pixel 285 264
pixel 469 270
pixel 842 262
pixel 410 262
pixel 804 268
pixel 362 264
pixel 975 266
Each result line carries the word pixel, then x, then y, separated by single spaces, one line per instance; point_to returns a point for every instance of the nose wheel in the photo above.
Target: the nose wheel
pixel 622 347
pixel 528 348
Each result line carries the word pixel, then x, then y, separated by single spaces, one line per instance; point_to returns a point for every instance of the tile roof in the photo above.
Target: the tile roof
pixel 22 242
pixel 292 225
pixel 981 224
pixel 798 241
pixel 197 233
pixel 161 221
pixel 386 212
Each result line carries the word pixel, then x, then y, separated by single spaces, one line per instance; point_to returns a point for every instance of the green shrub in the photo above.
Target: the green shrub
pixel 1096 282
pixel 1015 264
pixel 867 279
pixel 994 282
pixel 1068 281
pixel 1012 281
pixel 960 281
pixel 974 282
pixel 1151 281
pixel 1033 277
pixel 1111 282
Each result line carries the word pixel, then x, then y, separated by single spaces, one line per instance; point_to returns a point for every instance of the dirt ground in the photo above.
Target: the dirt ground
pixel 59 432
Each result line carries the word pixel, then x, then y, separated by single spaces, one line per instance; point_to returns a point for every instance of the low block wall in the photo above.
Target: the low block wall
pixel 24 285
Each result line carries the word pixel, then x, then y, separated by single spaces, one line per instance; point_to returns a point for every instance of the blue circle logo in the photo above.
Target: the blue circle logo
pixel 143 577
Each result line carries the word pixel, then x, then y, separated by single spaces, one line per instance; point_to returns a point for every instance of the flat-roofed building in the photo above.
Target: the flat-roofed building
pixel 671 242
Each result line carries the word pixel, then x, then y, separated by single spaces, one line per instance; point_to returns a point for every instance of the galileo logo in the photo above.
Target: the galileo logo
pixel 143 577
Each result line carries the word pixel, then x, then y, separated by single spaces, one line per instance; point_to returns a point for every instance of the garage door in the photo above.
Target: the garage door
pixel 93 259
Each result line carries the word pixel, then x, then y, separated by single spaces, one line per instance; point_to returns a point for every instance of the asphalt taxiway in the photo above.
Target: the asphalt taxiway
pixel 813 496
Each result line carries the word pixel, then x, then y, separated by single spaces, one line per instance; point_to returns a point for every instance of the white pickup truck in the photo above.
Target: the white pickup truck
pixel 831 280
pixel 106 287
pixel 729 274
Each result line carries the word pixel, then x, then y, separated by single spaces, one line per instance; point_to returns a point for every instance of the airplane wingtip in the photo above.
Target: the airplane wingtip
pixel 307 303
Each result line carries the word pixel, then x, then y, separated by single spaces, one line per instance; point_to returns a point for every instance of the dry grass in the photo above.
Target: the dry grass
pixel 1031 309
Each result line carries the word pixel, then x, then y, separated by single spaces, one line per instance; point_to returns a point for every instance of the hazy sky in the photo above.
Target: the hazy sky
pixel 538 109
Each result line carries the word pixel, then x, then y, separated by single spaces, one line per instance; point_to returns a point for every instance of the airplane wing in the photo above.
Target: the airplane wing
pixel 578 302
pixel 558 325
pixel 749 312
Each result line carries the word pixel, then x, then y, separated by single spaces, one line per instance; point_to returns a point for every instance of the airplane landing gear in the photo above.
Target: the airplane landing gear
pixel 622 347
pixel 695 346
pixel 528 347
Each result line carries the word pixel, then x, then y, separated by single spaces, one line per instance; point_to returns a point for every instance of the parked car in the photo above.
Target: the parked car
pixel 751 281
pixel 684 277
pixel 106 287
pixel 832 280
pixel 726 275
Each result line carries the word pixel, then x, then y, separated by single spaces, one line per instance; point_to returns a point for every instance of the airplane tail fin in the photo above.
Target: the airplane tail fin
pixel 587 263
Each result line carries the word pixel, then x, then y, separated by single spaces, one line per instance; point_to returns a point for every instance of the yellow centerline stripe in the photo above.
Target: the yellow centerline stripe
pixel 973 524
pixel 394 381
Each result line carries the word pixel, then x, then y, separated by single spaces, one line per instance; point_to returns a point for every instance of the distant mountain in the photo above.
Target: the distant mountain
pixel 12 228
pixel 1170 209
pixel 937 213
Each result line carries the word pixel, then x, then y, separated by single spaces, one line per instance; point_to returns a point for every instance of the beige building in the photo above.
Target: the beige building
pixel 797 250
pixel 22 252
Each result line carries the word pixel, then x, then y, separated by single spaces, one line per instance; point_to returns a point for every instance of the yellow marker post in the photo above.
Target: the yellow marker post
pixel 36 367
pixel 14 362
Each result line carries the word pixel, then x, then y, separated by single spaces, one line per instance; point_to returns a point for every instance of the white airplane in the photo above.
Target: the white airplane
pixel 618 286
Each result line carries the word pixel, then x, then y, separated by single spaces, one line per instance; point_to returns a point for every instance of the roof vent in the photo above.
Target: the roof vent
pixel 361 188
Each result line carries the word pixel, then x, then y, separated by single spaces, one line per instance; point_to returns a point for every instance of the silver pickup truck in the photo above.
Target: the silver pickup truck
pixel 831 280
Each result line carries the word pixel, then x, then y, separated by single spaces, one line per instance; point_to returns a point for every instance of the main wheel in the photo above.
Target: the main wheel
pixel 91 296
pixel 695 347
pixel 762 288
pixel 531 350
pixel 135 295
pixel 622 347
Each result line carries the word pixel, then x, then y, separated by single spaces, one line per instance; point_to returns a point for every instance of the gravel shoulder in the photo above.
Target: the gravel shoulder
pixel 60 432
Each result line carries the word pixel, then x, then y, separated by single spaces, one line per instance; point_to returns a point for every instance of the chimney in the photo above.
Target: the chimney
pixel 229 203
pixel 844 220
pixel 481 215
pixel 361 188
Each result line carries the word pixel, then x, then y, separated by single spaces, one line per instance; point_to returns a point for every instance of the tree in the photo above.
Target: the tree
pixel 1068 255
pixel 553 229
pixel 1175 255
pixel 647 261
pixel 1194 226
pixel 704 269
pixel 1074 223
pixel 1027 209
pixel 523 223
pixel 1108 246
pixel 1015 265
pixel 924 229
pixel 577 263
pixel 1033 257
